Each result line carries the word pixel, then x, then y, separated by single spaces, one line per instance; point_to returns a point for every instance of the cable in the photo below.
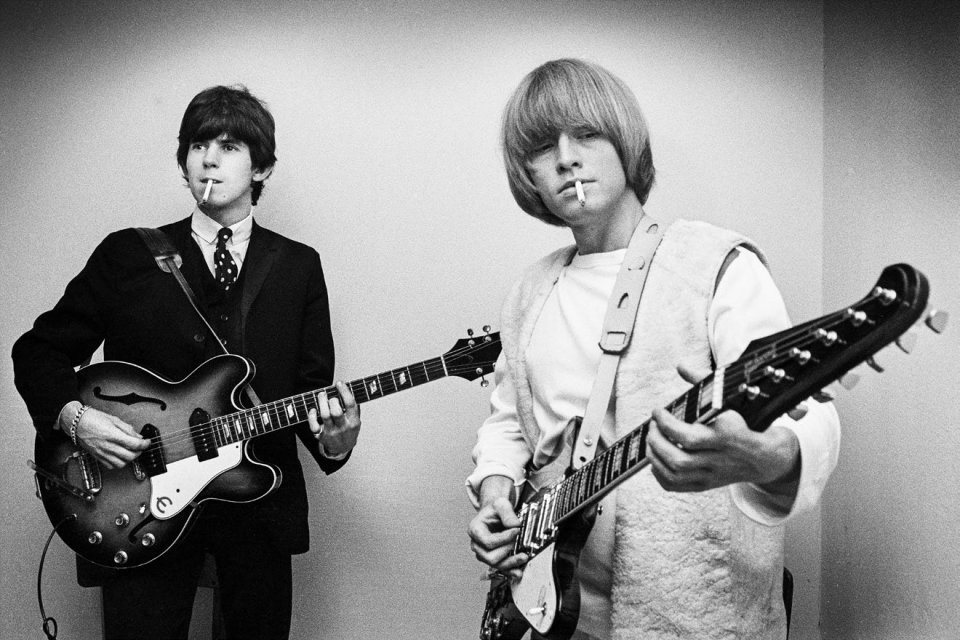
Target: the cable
pixel 49 623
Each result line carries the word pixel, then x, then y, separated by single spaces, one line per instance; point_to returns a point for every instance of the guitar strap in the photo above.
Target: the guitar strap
pixel 169 261
pixel 616 334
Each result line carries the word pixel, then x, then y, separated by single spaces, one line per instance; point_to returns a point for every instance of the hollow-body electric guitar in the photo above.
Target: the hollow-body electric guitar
pixel 772 377
pixel 200 448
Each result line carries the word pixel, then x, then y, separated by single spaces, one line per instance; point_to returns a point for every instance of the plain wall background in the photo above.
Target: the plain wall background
pixel 388 164
pixel 891 517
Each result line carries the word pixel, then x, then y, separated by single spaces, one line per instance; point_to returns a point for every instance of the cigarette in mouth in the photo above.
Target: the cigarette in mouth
pixel 582 199
pixel 206 192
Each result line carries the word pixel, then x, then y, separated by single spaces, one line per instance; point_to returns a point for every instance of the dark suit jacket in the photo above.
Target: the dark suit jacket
pixel 122 299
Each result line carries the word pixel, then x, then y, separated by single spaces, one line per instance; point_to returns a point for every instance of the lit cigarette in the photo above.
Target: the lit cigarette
pixel 582 199
pixel 206 192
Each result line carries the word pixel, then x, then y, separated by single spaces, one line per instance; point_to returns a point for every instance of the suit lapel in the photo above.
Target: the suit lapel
pixel 260 258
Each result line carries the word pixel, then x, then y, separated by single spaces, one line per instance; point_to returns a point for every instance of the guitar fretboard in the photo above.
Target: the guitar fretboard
pixel 280 414
pixel 731 387
pixel 604 471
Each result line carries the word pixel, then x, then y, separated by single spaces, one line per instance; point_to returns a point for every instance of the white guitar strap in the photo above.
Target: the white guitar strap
pixel 617 332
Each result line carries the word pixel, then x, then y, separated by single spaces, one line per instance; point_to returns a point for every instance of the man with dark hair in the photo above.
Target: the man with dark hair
pixel 223 109
pixel 266 298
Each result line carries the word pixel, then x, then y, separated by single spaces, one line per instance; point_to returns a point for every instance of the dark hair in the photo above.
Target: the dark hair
pixel 564 95
pixel 236 112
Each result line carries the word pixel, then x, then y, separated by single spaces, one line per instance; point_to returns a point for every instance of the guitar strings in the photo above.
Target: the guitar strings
pixel 434 369
pixel 734 374
pixel 430 367
pixel 601 464
pixel 276 408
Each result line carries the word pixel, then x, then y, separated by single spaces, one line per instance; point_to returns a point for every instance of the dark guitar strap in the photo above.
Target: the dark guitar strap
pixel 617 331
pixel 169 261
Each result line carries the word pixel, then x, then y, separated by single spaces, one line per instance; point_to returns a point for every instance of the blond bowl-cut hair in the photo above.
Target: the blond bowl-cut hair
pixel 572 95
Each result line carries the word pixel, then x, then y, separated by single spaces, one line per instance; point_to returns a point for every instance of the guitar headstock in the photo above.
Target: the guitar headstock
pixel 778 372
pixel 474 356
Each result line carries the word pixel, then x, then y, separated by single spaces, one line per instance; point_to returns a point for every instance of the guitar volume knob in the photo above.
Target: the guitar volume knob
pixel 148 540
pixel 95 537
pixel 122 520
pixel 120 558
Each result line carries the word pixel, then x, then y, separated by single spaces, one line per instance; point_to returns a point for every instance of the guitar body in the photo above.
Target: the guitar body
pixel 132 515
pixel 546 598
pixel 201 447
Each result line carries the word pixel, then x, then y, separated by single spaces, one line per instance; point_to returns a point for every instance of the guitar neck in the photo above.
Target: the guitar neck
pixel 730 387
pixel 772 376
pixel 626 456
pixel 272 416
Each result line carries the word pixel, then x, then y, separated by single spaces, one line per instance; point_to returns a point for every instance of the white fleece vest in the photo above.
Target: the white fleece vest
pixel 686 565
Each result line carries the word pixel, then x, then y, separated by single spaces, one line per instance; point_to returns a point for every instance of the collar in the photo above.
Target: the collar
pixel 206 228
pixel 591 260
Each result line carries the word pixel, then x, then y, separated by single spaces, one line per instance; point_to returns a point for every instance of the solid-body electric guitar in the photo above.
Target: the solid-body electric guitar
pixel 199 449
pixel 772 377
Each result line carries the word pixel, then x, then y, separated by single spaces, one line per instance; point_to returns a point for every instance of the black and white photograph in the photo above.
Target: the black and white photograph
pixel 520 320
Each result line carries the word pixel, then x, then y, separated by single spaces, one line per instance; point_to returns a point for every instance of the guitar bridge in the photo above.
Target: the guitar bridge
pixel 89 471
pixel 54 481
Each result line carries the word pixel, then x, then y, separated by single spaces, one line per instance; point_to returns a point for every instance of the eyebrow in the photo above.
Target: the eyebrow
pixel 227 139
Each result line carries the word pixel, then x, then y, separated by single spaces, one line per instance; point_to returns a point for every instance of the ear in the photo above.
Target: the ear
pixel 262 174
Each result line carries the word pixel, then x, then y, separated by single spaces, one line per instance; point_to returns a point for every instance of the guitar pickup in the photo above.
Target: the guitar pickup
pixel 152 461
pixel 202 434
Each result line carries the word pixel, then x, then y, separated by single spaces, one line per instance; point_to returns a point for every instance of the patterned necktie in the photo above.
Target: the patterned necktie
pixel 225 270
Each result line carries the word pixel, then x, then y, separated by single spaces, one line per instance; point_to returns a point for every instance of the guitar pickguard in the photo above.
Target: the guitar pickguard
pixel 536 593
pixel 184 479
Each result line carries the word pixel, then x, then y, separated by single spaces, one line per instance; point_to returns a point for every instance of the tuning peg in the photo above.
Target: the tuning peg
pixel 873 364
pixel 798 411
pixel 824 395
pixel 886 295
pixel 849 380
pixel 937 320
pixel 470 332
pixel 486 328
pixel 907 341
pixel 856 317
pixel 752 391
pixel 826 337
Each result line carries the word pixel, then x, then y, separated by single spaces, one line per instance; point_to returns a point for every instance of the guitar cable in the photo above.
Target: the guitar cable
pixel 49 623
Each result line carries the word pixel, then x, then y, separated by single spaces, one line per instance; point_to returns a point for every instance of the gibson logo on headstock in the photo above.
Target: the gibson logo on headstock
pixel 758 360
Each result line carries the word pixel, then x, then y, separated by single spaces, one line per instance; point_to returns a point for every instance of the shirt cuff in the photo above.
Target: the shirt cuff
pixel 760 505
pixel 484 471
pixel 819 436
